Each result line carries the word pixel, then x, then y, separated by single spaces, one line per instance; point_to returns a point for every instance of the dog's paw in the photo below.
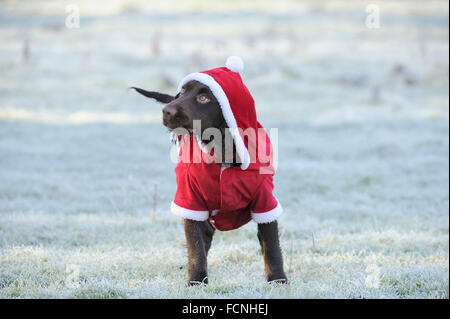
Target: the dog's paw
pixel 280 281
pixel 203 282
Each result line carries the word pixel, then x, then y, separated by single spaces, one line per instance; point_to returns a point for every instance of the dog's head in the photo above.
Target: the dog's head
pixel 195 101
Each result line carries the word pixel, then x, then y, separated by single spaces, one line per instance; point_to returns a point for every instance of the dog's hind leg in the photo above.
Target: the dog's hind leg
pixel 271 251
pixel 198 242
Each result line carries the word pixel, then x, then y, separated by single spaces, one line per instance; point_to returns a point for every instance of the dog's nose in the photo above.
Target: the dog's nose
pixel 169 110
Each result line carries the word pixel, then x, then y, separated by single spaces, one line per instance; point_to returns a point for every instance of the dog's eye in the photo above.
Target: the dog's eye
pixel 202 98
pixel 182 90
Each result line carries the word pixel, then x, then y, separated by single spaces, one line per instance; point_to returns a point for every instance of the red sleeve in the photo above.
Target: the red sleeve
pixel 188 203
pixel 265 207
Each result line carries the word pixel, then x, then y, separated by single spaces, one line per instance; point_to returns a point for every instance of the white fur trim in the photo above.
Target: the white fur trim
pixel 235 64
pixel 228 115
pixel 199 215
pixel 267 217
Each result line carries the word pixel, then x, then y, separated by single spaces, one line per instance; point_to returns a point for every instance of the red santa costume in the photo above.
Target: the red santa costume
pixel 229 196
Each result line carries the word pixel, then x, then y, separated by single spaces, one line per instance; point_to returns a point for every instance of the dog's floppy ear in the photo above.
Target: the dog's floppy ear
pixel 160 97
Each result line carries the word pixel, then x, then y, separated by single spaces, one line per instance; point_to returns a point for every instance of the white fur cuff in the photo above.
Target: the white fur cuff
pixel 199 215
pixel 268 217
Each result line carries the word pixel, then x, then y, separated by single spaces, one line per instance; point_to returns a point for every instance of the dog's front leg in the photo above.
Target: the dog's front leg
pixel 271 251
pixel 198 241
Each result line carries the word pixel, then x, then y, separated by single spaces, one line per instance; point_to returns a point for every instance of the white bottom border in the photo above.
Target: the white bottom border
pixel 202 215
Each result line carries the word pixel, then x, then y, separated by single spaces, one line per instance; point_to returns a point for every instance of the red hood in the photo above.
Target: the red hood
pixel 238 108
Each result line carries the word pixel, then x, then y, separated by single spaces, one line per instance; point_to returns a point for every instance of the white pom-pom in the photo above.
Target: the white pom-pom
pixel 235 64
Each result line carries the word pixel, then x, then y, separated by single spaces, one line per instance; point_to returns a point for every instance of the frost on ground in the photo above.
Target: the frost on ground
pixel 363 175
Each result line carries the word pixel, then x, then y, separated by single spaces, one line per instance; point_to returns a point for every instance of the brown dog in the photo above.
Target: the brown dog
pixel 196 101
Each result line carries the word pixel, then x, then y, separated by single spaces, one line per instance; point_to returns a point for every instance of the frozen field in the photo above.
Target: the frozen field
pixel 362 117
